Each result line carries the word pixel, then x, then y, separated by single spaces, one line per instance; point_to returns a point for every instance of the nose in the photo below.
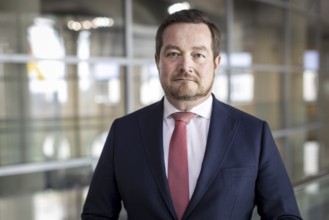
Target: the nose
pixel 185 64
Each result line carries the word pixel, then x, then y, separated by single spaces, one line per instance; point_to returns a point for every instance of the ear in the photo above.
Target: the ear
pixel 156 61
pixel 217 61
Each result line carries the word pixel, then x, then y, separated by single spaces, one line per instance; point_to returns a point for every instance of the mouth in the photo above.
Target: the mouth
pixel 184 78
pixel 183 81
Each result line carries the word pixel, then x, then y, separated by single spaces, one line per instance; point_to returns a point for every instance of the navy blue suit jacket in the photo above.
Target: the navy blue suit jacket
pixel 241 168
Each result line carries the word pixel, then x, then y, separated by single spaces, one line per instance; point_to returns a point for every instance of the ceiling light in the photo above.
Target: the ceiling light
pixel 178 7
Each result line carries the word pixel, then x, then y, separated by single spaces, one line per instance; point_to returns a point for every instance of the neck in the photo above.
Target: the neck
pixel 185 105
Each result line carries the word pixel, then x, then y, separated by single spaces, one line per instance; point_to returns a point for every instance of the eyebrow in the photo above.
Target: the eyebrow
pixel 170 46
pixel 200 48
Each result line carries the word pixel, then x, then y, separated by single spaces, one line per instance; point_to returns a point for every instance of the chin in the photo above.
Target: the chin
pixel 186 96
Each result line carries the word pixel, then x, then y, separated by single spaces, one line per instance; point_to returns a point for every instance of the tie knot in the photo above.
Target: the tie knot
pixel 183 116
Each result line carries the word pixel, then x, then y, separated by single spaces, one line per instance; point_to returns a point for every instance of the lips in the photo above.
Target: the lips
pixel 184 77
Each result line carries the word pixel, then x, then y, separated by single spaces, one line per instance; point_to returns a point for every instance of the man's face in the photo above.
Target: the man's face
pixel 186 62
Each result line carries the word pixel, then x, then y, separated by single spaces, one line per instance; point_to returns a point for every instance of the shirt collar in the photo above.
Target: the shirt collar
pixel 203 109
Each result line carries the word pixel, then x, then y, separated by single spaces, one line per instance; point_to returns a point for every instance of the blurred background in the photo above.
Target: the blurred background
pixel 68 68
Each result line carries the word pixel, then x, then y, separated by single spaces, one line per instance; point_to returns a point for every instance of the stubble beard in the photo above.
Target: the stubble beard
pixel 185 93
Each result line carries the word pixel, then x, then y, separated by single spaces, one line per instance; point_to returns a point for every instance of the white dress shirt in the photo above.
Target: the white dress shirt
pixel 197 133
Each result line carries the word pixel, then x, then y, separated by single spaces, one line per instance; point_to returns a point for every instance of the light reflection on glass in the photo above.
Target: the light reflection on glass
pixel 83 52
pixel 242 83
pixel 310 75
pixel 56 146
pixel 48 206
pixel 150 90
pixel 108 75
pixel 311 158
pixel 46 76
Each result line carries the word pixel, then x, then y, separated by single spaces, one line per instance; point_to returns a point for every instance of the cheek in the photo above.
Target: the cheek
pixel 166 69
pixel 207 74
pixel 163 73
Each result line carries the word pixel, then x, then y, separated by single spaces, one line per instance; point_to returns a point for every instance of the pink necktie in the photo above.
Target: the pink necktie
pixel 178 163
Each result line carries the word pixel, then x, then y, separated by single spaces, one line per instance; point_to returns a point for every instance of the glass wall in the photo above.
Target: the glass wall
pixel 69 68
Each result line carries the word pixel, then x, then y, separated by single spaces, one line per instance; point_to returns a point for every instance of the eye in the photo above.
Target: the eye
pixel 199 55
pixel 172 54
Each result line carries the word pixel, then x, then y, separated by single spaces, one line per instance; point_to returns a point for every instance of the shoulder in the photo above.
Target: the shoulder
pixel 150 111
pixel 245 120
pixel 233 112
pixel 146 117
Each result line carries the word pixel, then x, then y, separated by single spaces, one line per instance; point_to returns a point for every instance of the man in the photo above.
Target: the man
pixel 231 164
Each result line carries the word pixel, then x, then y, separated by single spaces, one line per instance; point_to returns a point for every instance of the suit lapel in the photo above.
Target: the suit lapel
pixel 221 133
pixel 151 125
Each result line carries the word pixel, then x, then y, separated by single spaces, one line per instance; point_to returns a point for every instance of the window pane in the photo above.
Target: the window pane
pixel 259 30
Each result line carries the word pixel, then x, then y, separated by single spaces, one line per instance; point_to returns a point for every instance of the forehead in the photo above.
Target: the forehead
pixel 188 33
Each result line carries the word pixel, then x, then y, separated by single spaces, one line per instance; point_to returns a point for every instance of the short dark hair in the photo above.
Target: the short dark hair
pixel 188 16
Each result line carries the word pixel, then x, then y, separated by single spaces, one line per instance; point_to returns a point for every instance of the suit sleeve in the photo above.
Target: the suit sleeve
pixel 275 197
pixel 103 201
